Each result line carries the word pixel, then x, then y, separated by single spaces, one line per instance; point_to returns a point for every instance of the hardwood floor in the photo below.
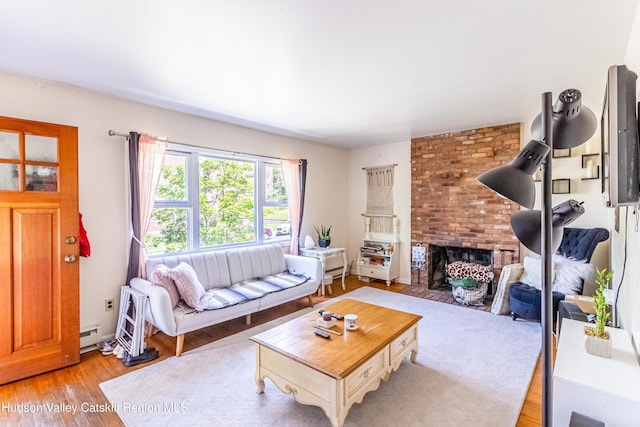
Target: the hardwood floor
pixel 49 399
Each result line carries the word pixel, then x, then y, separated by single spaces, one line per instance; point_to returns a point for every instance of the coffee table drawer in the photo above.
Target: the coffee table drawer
pixel 403 343
pixel 297 377
pixel 370 370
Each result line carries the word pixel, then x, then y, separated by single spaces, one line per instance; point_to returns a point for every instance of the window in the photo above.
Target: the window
pixel 207 199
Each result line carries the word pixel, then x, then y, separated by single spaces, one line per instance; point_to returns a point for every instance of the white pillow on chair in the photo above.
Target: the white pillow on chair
pixel 567 275
pixel 571 274
pixel 532 273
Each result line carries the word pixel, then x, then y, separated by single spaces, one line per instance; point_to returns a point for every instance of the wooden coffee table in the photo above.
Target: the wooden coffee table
pixel 335 373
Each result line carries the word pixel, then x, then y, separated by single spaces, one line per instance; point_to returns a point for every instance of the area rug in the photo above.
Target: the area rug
pixel 473 369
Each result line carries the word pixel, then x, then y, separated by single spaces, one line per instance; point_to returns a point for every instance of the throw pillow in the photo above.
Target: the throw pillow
pixel 190 288
pixel 510 274
pixel 531 275
pixel 571 274
pixel 161 276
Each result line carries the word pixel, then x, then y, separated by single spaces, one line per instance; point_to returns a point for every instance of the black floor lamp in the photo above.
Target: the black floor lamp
pixel 564 125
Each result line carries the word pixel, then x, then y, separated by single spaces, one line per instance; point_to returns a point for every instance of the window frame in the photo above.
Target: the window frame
pixel 192 155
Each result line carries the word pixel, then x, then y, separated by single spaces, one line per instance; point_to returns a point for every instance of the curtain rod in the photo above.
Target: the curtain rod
pixel 378 167
pixel 235 153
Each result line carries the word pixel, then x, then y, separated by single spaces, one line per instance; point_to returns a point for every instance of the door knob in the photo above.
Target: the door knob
pixel 70 240
pixel 70 258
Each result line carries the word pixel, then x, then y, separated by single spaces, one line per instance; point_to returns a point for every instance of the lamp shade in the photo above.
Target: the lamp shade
pixel 573 124
pixel 527 225
pixel 515 180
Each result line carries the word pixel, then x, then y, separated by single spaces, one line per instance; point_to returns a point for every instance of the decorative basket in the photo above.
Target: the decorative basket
pixel 470 296
pixel 469 282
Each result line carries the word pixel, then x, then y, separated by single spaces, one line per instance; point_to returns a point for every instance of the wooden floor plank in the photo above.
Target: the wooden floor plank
pixel 80 383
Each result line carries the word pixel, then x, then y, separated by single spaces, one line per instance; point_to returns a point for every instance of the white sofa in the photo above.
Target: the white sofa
pixel 217 270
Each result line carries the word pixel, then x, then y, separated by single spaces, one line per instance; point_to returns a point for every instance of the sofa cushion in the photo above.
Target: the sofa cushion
pixel 190 288
pixel 161 276
pixel 256 261
pixel 525 301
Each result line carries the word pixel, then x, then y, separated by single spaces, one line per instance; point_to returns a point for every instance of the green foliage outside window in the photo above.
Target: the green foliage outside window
pixel 226 193
pixel 226 202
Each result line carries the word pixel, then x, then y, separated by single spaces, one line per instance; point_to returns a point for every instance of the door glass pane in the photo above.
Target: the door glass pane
pixel 8 177
pixel 41 178
pixel 9 146
pixel 41 148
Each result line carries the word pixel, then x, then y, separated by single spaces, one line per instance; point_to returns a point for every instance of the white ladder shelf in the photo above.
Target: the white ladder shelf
pixel 130 331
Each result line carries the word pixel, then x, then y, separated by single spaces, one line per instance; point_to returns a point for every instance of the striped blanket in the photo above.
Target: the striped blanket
pixel 252 289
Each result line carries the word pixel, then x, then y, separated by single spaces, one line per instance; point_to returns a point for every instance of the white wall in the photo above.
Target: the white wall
pixel 628 237
pixel 102 172
pixel 400 153
pixel 379 155
pixel 587 191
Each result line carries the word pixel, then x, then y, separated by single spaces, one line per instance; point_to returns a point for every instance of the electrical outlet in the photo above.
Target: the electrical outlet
pixel 109 304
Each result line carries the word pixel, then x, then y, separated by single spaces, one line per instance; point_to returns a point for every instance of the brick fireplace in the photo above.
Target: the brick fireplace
pixel 449 208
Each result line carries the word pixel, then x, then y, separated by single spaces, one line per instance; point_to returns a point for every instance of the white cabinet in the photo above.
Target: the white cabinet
pixel 378 259
pixel 607 390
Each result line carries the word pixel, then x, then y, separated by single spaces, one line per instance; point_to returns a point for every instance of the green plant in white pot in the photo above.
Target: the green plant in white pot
pixel 597 339
pixel 324 236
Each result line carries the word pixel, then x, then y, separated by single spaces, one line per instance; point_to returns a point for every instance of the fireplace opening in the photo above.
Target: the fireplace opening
pixel 441 256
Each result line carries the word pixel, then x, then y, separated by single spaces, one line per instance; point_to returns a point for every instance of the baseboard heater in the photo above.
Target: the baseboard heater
pixel 90 337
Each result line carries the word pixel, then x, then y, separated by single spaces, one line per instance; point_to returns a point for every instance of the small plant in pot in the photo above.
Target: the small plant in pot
pixel 597 340
pixel 324 236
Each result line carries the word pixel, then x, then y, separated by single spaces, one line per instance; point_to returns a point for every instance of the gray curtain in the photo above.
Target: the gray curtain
pixel 303 184
pixel 134 247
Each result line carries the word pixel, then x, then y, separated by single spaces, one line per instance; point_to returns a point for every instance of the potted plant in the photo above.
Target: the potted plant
pixel 596 339
pixel 324 236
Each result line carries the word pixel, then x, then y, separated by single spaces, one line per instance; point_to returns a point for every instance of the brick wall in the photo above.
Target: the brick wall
pixel 449 207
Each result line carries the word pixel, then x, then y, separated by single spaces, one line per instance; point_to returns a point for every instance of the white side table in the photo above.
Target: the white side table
pixel 323 254
pixel 605 389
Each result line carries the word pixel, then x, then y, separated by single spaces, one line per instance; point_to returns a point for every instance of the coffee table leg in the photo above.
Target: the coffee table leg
pixel 414 352
pixel 260 385
pixel 337 418
pixel 259 378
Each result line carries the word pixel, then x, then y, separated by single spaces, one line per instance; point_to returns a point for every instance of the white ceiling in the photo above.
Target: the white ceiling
pixel 349 72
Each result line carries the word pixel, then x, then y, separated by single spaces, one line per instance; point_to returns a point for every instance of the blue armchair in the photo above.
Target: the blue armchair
pixel 577 243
